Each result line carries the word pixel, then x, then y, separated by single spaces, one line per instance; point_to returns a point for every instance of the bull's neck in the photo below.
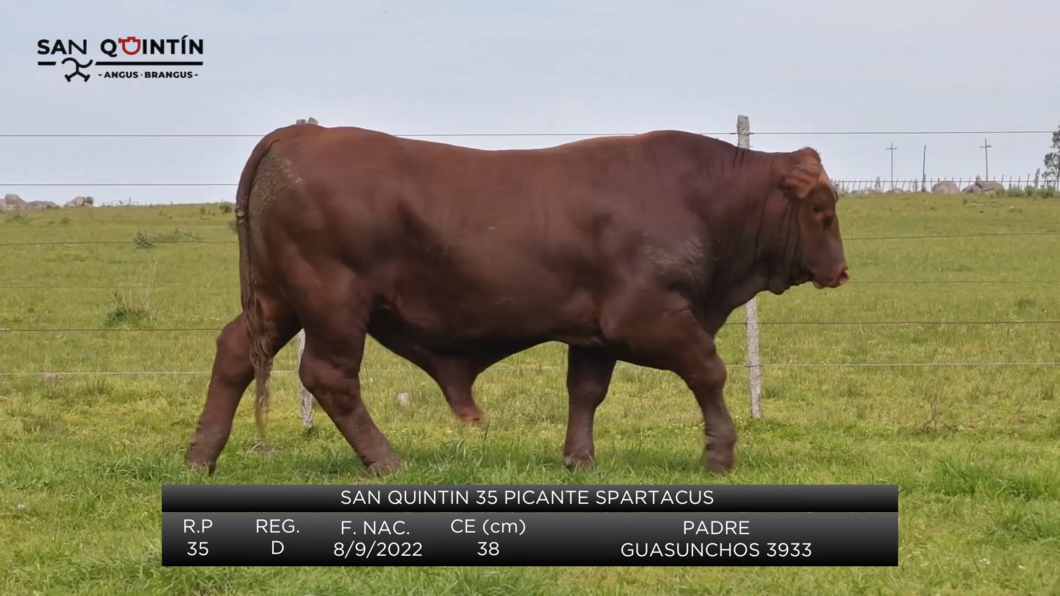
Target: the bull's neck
pixel 761 255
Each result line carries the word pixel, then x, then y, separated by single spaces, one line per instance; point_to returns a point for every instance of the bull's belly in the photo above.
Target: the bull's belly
pixel 451 318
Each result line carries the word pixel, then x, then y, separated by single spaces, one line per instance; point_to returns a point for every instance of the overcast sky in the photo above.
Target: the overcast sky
pixel 547 66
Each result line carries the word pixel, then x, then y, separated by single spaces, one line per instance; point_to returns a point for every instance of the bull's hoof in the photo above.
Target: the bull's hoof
pixel 470 415
pixel 197 463
pixel 385 467
pixel 579 461
pixel 719 462
pixel 262 447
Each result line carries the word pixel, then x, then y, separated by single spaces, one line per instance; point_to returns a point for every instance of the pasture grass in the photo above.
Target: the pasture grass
pixel 974 449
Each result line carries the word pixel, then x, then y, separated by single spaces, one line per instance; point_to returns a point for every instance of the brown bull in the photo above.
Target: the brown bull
pixel 625 248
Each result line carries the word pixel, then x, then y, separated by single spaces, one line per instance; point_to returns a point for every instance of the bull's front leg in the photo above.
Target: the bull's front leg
pixel 676 341
pixel 705 375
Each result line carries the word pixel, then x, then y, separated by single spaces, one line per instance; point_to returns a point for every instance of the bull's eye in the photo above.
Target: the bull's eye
pixel 816 209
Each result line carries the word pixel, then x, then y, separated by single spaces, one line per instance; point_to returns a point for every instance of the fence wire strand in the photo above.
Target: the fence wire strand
pixel 235 243
pixel 728 133
pixel 371 370
pixel 236 286
pixel 739 324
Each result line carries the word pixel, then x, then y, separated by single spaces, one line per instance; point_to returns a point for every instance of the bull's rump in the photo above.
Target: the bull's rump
pixel 461 245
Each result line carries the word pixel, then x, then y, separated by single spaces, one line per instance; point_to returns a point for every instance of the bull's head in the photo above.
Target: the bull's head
pixel 812 200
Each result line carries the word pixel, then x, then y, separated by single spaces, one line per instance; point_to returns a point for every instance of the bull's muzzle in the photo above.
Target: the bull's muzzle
pixel 838 280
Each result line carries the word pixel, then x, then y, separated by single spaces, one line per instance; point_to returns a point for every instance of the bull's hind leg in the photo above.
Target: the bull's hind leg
pixel 231 375
pixel 335 330
pixel 456 382
pixel 589 373
pixel 454 375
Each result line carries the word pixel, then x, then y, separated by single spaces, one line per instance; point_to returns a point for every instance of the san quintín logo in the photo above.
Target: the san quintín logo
pixel 77 61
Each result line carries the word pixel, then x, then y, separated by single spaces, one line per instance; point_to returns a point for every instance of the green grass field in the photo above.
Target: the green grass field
pixel 975 449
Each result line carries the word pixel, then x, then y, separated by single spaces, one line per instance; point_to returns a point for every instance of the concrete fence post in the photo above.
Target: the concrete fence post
pixel 304 396
pixel 743 135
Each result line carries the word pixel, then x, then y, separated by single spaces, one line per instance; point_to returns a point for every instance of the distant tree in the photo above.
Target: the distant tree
pixel 1052 159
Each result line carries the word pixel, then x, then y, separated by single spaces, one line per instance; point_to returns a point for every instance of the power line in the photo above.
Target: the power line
pixel 541 134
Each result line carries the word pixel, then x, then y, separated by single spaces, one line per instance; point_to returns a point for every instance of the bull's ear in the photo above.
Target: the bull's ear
pixel 800 180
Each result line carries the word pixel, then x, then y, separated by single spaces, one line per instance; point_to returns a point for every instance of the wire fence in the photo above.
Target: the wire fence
pixel 229 287
pixel 934 185
pixel 727 324
pixel 848 186
pixel 437 135
pixel 1026 185
pixel 134 242
pixel 1007 185
pixel 737 324
pixel 541 368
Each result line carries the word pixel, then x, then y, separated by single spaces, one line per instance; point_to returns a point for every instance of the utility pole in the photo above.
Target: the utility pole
pixel 892 149
pixel 923 172
pixel 986 154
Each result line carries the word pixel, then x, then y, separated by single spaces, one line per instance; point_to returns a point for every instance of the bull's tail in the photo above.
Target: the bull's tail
pixel 260 345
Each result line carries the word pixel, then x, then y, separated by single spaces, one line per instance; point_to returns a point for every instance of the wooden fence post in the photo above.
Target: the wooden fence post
pixel 304 396
pixel 743 135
